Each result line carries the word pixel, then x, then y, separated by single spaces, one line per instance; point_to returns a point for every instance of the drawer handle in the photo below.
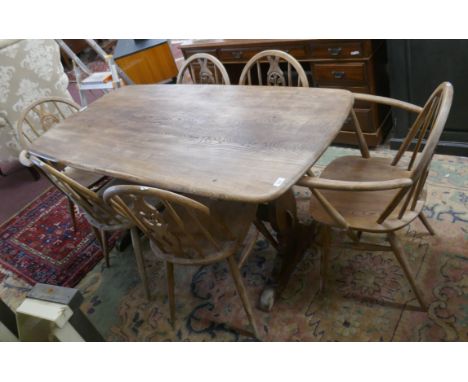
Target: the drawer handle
pixel 236 54
pixel 334 51
pixel 338 75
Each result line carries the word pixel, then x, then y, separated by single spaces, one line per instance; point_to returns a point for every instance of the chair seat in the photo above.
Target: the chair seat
pixel 361 209
pixel 85 178
pixel 237 217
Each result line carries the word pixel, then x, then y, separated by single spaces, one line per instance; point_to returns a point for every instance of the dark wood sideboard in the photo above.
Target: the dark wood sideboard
pixel 357 65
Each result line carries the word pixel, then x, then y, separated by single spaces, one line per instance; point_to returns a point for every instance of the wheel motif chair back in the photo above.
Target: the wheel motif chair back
pixel 40 116
pixel 97 212
pixel 203 68
pixel 283 70
pixel 171 225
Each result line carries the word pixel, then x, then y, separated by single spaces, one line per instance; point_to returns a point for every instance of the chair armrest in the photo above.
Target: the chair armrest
pixel 344 185
pixel 24 158
pixel 388 101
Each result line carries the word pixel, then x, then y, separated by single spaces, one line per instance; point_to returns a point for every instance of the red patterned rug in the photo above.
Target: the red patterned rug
pixel 39 243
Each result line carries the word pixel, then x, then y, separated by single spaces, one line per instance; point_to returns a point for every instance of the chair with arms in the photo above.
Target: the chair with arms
pixel 100 216
pixel 188 232
pixel 39 117
pixel 280 70
pixel 379 195
pixel 203 68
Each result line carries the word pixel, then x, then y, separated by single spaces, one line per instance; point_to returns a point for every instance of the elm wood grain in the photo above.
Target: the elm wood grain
pixel 363 63
pixel 382 195
pixel 243 143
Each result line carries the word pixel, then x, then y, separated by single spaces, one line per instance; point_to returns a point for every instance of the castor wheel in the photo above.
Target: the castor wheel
pixel 267 299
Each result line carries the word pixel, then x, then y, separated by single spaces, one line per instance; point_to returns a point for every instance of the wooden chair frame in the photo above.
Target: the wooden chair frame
pixel 275 75
pixel 428 127
pixel 42 109
pixel 205 74
pixel 40 116
pixel 167 230
pixel 100 216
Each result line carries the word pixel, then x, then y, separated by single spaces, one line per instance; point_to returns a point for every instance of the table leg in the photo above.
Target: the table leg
pixel 293 240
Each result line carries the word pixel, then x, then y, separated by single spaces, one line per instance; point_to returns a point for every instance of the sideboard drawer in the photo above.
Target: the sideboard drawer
pixel 340 74
pixel 233 54
pixel 337 50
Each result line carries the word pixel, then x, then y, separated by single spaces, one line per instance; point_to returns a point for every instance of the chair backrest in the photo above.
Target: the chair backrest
pixel 279 73
pixel 205 69
pixel 40 116
pixel 91 203
pixel 427 130
pixel 194 238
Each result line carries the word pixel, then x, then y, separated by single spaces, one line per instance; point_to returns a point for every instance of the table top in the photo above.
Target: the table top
pixel 243 143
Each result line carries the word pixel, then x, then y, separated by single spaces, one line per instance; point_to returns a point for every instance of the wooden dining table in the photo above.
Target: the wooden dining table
pixel 238 143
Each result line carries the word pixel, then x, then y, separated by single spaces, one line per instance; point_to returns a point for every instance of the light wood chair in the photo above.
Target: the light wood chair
pixel 101 217
pixel 379 195
pixel 279 73
pixel 203 69
pixel 38 118
pixel 188 232
pixel 280 70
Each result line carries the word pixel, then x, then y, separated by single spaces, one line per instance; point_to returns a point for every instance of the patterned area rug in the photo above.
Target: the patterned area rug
pixel 39 243
pixel 368 298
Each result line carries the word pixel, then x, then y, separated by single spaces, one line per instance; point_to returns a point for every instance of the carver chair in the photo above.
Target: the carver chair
pixel 39 117
pixel 205 69
pixel 188 232
pixel 283 70
pixel 380 195
pixel 100 216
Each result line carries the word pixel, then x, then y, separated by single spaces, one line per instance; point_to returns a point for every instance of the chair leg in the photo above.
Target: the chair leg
pixel 71 208
pixel 424 220
pixel 400 255
pixel 97 233
pixel 170 290
pixel 139 259
pixel 105 249
pixel 234 269
pixel 324 259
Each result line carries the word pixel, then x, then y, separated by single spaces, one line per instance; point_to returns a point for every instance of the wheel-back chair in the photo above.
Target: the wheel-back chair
pixel 380 195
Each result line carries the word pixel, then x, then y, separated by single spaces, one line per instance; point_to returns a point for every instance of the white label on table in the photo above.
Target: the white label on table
pixel 279 182
pixel 355 53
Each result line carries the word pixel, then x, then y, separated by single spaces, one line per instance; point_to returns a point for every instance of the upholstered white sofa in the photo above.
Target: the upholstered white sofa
pixel 29 70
